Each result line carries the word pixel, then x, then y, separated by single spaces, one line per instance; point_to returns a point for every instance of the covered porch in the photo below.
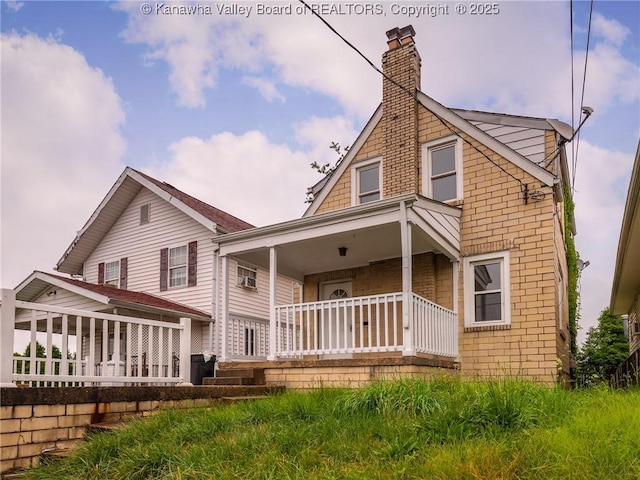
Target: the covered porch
pixel 81 334
pixel 376 281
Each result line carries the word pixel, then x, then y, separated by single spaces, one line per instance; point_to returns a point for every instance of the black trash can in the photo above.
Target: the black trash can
pixel 200 368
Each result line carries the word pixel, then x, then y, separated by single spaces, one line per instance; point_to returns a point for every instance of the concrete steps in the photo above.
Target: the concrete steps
pixel 236 376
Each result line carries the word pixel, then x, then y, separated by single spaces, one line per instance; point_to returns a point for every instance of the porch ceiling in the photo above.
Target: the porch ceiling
pixel 310 245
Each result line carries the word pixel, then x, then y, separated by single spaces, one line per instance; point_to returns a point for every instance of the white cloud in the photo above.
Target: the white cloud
pixel 611 30
pixel 601 187
pixel 61 149
pixel 13 5
pixel 249 176
pixel 266 88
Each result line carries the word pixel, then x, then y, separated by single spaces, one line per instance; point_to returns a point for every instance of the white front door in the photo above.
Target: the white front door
pixel 336 321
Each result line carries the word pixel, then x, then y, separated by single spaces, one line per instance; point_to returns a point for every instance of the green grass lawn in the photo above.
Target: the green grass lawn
pixel 445 429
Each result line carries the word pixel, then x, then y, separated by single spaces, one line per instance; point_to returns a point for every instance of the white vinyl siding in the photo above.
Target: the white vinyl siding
pixel 142 245
pixel 528 142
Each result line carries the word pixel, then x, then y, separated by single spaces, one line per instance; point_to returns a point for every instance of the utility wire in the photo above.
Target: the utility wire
pixel 584 81
pixel 573 107
pixel 412 95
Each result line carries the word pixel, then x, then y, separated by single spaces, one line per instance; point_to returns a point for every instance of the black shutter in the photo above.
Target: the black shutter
pixel 192 275
pixel 123 273
pixel 164 268
pixel 101 273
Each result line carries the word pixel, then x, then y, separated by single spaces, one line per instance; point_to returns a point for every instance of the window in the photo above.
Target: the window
pixel 487 286
pixel 442 172
pixel 247 276
pixel 112 273
pixel 144 213
pixel 366 181
pixel 178 266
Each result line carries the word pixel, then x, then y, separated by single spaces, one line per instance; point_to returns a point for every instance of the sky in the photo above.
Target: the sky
pixel 232 103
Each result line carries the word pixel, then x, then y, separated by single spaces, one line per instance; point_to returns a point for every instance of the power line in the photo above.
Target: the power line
pixel 414 97
pixel 584 81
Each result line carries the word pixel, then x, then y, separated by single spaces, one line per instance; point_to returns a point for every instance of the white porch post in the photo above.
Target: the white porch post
pixel 224 308
pixel 273 278
pixel 7 326
pixel 185 352
pixel 407 275
pixel 456 299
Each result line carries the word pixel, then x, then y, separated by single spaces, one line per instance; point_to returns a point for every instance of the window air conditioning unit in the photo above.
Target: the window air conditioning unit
pixel 248 282
pixel 635 329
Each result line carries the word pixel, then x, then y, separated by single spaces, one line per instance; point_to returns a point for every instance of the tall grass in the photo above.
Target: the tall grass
pixel 443 429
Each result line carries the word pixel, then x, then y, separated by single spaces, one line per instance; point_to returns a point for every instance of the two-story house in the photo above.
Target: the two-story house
pixel 436 242
pixel 147 252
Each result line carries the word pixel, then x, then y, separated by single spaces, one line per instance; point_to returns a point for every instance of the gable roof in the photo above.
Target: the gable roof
pixel 463 120
pixel 118 199
pixel 38 282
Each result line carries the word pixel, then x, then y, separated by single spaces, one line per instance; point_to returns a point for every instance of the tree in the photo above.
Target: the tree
pixel 40 353
pixel 604 350
pixel 327 168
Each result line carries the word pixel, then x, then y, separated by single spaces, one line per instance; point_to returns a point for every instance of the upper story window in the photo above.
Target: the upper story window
pixel 366 181
pixel 247 276
pixel 442 169
pixel 178 266
pixel 487 290
pixel 112 273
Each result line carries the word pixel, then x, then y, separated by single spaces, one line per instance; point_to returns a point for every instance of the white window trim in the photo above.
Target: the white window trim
pixel 469 288
pixel 116 280
pixel 426 165
pixel 186 267
pixel 355 178
pixel 249 268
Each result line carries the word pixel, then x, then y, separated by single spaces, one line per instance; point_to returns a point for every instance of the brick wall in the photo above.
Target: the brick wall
pixel 432 279
pixel 33 420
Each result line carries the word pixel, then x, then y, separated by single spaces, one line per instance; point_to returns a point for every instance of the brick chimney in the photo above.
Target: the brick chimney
pixel 401 158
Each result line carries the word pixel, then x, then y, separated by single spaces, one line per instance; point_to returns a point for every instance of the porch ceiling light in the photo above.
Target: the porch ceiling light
pixel 342 251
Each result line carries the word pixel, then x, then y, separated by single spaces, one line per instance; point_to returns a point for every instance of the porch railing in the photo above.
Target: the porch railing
pixel 247 338
pixel 364 325
pixel 109 349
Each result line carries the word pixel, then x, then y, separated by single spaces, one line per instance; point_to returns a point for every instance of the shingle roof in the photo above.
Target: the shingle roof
pixel 223 219
pixel 131 297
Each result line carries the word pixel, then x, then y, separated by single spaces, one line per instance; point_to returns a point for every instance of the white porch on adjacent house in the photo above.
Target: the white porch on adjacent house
pixel 91 339
pixel 345 325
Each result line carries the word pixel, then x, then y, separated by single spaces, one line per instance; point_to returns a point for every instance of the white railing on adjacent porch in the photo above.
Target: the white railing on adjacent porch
pixel 247 338
pixel 110 349
pixel 364 325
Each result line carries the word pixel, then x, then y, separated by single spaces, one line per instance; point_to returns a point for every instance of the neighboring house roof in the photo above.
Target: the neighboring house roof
pixel 120 196
pixel 519 142
pixel 626 280
pixel 39 282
